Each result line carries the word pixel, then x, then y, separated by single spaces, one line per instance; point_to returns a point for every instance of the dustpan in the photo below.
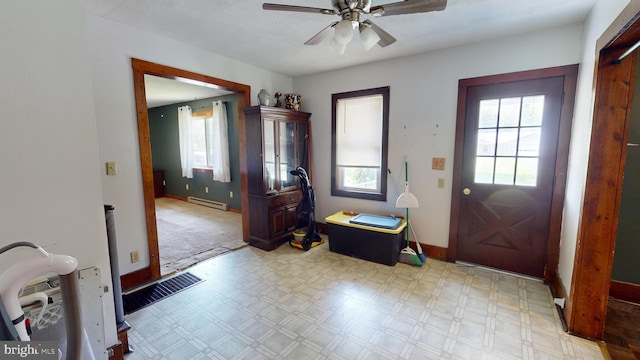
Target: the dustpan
pixel 406 199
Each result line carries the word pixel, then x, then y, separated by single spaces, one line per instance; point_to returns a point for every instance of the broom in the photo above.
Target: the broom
pixel 421 255
pixel 407 255
pixel 407 200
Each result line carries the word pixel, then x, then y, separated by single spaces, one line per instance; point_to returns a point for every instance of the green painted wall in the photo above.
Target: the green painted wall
pixel 627 252
pixel 165 152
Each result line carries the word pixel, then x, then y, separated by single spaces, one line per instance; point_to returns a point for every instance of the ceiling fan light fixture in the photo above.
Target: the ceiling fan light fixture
pixel 343 32
pixel 337 47
pixel 352 13
pixel 368 37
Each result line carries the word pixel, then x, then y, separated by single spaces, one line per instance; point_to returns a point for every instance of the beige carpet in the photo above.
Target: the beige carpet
pixel 189 233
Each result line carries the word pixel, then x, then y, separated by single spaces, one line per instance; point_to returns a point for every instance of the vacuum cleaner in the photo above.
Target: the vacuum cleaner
pixel 39 264
pixel 306 235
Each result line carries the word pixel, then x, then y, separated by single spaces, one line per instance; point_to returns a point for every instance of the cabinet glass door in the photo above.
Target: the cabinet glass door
pixel 287 155
pixel 269 154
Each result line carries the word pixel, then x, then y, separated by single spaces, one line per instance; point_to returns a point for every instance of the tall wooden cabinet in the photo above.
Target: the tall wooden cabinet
pixel 278 141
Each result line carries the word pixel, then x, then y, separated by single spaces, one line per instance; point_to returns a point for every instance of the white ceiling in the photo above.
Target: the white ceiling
pixel 274 40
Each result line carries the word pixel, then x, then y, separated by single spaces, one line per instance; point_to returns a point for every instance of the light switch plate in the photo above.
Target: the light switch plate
pixel 111 168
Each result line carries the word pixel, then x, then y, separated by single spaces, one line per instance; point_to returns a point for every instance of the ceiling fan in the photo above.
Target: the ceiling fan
pixel 352 13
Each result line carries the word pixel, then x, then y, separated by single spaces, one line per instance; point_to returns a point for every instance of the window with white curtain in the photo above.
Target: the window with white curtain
pixel 204 142
pixel 360 125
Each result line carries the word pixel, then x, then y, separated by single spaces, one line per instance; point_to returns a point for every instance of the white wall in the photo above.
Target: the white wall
pixel 112 46
pixel 50 187
pixel 602 15
pixel 424 93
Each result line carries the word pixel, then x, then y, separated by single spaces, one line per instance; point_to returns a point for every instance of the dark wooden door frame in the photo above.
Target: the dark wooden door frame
pixel 140 68
pixel 570 73
pixel 614 86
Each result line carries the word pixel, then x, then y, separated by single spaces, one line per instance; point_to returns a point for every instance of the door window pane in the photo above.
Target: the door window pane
pixel 509 112
pixel 527 172
pixel 529 141
pixel 484 170
pixel 486 142
pixel 507 142
pixel 505 170
pixel 532 110
pixel 488 114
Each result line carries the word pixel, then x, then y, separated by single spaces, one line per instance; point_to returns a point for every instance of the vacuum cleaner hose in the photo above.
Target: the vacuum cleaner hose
pixel 17 244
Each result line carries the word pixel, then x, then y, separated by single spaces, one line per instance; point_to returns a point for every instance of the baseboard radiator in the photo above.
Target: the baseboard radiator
pixel 208 203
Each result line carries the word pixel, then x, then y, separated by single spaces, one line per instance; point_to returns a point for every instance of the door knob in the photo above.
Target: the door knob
pixel 466 191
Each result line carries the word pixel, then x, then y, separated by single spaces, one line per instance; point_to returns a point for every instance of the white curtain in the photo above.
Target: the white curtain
pixel 218 146
pixel 186 141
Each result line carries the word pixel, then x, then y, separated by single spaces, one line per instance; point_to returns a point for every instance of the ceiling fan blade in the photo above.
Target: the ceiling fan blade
pixel 322 35
pixel 280 7
pixel 385 38
pixel 409 7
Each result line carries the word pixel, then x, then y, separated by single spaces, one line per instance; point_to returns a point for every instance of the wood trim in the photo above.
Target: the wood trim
pixel 144 140
pixel 324 228
pixel 456 182
pixel 175 197
pixel 625 291
pixel 435 252
pixel 586 312
pixel 117 352
pixel 173 73
pixel 121 348
pixel 557 289
pixel 133 279
pixel 140 68
pixel 619 26
pixel 562 164
pixel 570 74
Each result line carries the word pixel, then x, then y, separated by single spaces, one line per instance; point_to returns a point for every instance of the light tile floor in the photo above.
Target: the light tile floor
pixel 291 304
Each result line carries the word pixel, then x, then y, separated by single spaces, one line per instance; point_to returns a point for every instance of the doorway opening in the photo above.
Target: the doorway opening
pixel 243 92
pixel 197 217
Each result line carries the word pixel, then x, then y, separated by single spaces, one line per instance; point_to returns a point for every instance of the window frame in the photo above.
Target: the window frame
pixel 361 193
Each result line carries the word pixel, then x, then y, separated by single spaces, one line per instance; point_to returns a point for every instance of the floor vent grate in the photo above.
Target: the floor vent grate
pixel 156 292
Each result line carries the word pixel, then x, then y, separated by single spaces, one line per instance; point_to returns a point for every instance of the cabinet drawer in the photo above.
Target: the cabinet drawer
pixel 285 199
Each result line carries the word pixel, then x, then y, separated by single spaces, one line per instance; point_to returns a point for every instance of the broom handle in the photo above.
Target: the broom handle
pixel 406 170
pixel 407 227
pixel 406 181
